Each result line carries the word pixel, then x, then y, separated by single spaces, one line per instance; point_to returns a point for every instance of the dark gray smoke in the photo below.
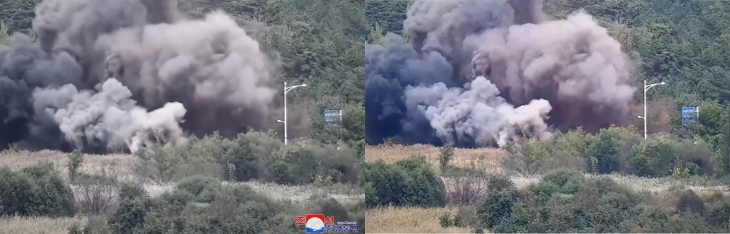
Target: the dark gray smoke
pixel 504 74
pixel 121 74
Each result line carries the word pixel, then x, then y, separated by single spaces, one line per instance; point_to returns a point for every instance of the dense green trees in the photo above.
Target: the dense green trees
pixel 619 150
pixel 566 201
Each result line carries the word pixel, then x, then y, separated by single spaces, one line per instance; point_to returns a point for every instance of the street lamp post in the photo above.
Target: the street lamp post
pixel 646 88
pixel 286 90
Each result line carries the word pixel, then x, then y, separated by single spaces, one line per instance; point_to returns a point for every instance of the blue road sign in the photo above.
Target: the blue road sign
pixel 331 118
pixel 689 114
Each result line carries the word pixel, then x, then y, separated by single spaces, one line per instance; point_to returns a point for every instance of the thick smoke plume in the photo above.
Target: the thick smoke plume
pixel 123 74
pixel 492 72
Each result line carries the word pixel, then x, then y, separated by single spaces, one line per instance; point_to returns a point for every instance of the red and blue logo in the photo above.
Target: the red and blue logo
pixel 318 223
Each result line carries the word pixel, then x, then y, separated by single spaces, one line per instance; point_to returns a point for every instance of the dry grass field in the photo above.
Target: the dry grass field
pixel 120 165
pixel 409 220
pixel 488 159
pixel 39 225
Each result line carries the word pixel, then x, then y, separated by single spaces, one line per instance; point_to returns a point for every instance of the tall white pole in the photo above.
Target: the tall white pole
pixel 285 133
pixel 286 90
pixel 645 116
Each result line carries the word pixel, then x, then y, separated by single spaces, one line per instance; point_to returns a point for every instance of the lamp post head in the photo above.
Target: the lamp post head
pixel 663 83
pixel 279 121
pixel 304 85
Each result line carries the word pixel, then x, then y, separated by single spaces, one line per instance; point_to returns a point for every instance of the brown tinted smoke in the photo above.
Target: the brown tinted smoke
pixel 523 64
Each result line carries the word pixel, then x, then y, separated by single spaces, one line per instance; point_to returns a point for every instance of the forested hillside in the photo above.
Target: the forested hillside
pixel 311 42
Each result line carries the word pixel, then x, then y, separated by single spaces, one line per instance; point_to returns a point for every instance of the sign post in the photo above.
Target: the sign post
pixel 690 114
pixel 332 118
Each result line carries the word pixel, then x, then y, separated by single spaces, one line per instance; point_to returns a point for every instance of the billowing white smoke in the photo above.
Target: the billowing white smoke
pixel 477 113
pixel 211 61
pixel 110 115
pixel 574 61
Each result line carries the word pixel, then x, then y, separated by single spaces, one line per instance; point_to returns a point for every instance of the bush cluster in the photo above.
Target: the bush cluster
pixel 410 182
pixel 256 156
pixel 566 201
pixel 35 191
pixel 618 150
pixel 201 204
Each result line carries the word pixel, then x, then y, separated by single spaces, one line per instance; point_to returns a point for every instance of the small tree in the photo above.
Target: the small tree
pixel 75 160
pixel 445 221
pixel 4 35
pixel 377 36
pixel 447 152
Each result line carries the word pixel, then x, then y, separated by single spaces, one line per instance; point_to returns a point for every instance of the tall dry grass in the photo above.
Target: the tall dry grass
pixel 38 225
pixel 490 161
pixel 487 159
pixel 121 165
pixel 409 220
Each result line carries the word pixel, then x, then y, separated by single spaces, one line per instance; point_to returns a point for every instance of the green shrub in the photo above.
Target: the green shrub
pixel 371 198
pixel 129 217
pixel 446 153
pixel 202 188
pixel 445 221
pixel 75 229
pixel 242 158
pixel 409 182
pixel 565 201
pixel 75 160
pixel 617 149
pixel 35 190
pixel 606 150
pixel 497 208
pixel 130 191
pixel 718 211
pixel 690 202
pixel 564 150
pixel 256 155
